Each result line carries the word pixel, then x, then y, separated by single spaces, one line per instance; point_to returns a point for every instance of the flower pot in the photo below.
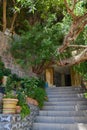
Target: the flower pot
pixel 29 100
pixel 9 105
pixel 32 101
pixel 35 103
pixel 18 109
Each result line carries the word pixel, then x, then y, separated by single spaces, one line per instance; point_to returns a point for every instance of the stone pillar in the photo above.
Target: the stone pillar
pixel 75 78
pixel 49 76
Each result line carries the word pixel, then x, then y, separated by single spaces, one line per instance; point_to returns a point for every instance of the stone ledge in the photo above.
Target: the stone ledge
pixel 15 122
pixel 10 118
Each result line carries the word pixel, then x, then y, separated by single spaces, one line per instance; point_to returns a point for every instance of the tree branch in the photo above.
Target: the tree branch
pixel 76 27
pixel 4 15
pixel 78 46
pixel 75 59
pixel 70 11
pixel 13 21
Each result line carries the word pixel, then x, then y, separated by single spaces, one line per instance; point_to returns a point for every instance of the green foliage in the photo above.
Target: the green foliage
pixel 85 95
pixel 1 64
pixel 38 44
pixel 40 83
pixel 3 71
pixel 25 110
pixel 10 94
pixel 29 85
pixel 81 69
pixel 49 6
pixel 32 88
pixel 26 4
pixel 40 95
pixel 6 72
pixel 67 20
pixel 22 102
pixel 1 75
pixel 85 35
pixel 10 84
pixel 80 8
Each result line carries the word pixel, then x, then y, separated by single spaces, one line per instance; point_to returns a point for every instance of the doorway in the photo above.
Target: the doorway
pixel 67 80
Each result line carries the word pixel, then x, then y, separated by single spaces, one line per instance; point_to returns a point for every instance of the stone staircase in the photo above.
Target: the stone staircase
pixel 66 109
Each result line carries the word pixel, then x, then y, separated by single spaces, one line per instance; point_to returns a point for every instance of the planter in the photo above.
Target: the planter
pixel 18 109
pixel 31 101
pixel 35 102
pixel 9 105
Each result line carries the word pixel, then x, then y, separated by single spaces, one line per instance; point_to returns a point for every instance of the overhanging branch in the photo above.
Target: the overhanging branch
pixel 74 60
pixel 78 46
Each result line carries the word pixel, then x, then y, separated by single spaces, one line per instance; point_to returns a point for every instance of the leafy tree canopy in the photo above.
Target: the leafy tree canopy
pixel 50 30
pixel 39 43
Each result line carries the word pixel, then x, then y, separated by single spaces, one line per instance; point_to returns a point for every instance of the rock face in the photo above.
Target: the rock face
pixel 7 58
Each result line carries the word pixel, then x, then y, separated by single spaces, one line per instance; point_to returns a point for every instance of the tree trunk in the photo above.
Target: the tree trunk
pixel 13 21
pixel 4 15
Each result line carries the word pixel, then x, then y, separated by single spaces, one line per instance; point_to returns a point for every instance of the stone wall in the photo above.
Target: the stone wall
pixel 15 122
pixel 8 60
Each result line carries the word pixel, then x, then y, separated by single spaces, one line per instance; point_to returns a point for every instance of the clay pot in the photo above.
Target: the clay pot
pixel 32 101
pixel 29 100
pixel 35 103
pixel 18 109
pixel 9 105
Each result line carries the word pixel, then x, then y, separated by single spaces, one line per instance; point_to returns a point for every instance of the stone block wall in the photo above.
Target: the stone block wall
pixel 15 122
pixel 8 60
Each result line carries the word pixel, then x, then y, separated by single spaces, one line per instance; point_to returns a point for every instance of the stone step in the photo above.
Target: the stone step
pixel 65 120
pixel 66 96
pixel 65 103
pixel 54 126
pixel 65 88
pixel 62 93
pixel 65 108
pixel 63 113
pixel 67 99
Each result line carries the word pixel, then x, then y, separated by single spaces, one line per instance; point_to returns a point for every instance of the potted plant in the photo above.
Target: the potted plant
pixel 10 99
pixel 9 103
